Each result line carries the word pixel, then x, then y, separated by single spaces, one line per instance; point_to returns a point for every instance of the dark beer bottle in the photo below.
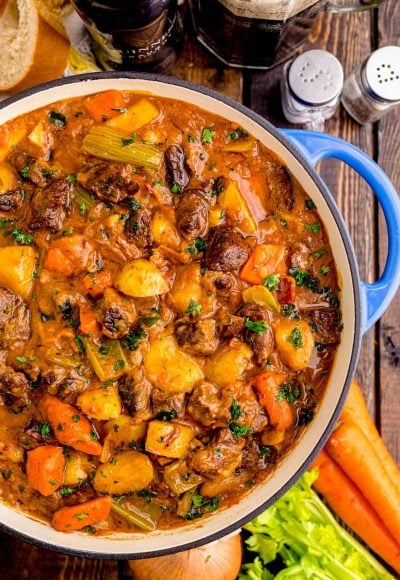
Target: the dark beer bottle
pixel 133 34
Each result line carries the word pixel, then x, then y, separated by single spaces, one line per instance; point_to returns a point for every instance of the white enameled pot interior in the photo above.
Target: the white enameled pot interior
pixel 213 526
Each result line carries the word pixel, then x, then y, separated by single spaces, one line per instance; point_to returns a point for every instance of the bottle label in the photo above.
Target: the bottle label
pixel 267 9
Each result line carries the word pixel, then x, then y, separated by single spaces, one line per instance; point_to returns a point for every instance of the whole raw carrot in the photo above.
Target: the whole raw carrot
pixel 45 468
pixel 70 426
pixel 76 517
pixel 279 411
pixel 350 505
pixel 350 448
pixel 356 409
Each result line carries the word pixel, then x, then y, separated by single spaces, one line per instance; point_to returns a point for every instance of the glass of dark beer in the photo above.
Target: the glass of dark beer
pixel 133 34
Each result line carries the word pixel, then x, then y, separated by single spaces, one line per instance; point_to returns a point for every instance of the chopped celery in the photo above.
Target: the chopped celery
pixel 83 197
pixel 179 479
pixel 185 503
pixel 111 144
pixel 144 518
pixel 107 358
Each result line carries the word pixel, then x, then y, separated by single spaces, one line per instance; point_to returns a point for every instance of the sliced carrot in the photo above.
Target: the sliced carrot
pixel 279 412
pixel 88 322
pixel 69 255
pixel 105 105
pixel 356 409
pixel 350 448
pixel 265 259
pixel 45 468
pixel 76 430
pixel 350 505
pixel 95 284
pixel 76 517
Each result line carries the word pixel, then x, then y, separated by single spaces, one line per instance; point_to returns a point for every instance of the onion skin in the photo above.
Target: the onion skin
pixel 220 560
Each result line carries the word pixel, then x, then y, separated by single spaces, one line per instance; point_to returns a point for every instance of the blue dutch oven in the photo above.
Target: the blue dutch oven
pixel 362 303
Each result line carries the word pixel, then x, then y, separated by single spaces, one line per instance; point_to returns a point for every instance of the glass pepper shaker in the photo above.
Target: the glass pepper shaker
pixel 373 88
pixel 310 88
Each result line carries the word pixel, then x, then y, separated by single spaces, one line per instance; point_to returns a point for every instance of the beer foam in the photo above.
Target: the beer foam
pixel 267 9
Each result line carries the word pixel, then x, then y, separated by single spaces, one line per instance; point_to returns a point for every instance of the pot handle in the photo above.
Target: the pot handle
pixel 375 298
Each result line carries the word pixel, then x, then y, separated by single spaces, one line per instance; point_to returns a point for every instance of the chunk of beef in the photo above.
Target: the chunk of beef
pixel 177 169
pixel 8 303
pixel 14 385
pixel 12 200
pixel 300 256
pixel 260 341
pixel 286 290
pixel 226 249
pixel 18 328
pixel 135 394
pixel 252 413
pixel 28 168
pixel 280 186
pixel 111 181
pixel 191 214
pixel 209 404
pixel 50 206
pixel 252 458
pixel 32 436
pixel 219 459
pixel 67 384
pixel 171 403
pixel 228 325
pixel 198 338
pixel 118 313
pixel 326 322
pixel 138 228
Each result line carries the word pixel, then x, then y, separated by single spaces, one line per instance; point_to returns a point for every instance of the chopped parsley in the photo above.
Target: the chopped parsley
pixel 235 410
pixel 24 359
pixel 192 139
pixel 58 119
pixel 284 223
pixel 257 327
pixel 120 109
pixel 80 343
pixel 76 418
pixel 202 505
pixel 71 178
pixel 81 516
pixel 4 223
pixel 21 238
pixel 304 278
pixel 132 339
pixel 125 141
pixel 68 232
pixel 271 282
pixel 151 320
pixel 310 204
pixel 82 209
pixel 194 308
pixel 94 436
pixel 44 429
pixel 238 133
pixel 325 270
pixel 119 365
pixel 315 227
pixel 207 135
pixel 238 430
pixel 296 338
pixel 66 491
pixel 264 451
pixel 200 244
pixel 165 415
pixel 320 253
pixel 175 188
pixel 287 392
pixel 133 204
pixel 25 172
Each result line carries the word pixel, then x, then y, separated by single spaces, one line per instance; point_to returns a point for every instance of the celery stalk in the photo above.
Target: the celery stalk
pixel 83 197
pixel 134 516
pixel 113 145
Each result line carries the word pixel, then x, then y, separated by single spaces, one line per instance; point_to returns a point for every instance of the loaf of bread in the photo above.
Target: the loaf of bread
pixel 33 44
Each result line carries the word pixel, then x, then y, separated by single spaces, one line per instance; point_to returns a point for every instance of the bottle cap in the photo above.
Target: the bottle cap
pixel 382 73
pixel 316 77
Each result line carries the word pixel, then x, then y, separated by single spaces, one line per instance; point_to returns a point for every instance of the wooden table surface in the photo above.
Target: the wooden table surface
pixel 351 37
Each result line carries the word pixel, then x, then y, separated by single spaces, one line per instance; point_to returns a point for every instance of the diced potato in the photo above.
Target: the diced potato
pixel 8 179
pixel 138 115
pixel 153 136
pixel 261 295
pixel 11 136
pixel 236 208
pixel 188 289
pixel 213 488
pixel 179 478
pixel 9 451
pixel 216 216
pixel 77 468
pixel 120 433
pixel 295 343
pixel 170 368
pixel 128 471
pixel 17 265
pixel 38 135
pixel 102 403
pixel 168 439
pixel 140 279
pixel 164 231
pixel 273 436
pixel 242 146
pixel 228 363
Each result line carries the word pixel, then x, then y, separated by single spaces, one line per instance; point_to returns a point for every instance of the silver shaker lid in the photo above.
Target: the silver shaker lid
pixel 382 73
pixel 316 77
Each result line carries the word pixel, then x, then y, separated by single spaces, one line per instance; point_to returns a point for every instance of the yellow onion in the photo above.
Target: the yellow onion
pixel 220 560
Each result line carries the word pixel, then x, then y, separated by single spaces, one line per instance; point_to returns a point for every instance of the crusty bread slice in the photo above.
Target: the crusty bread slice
pixel 31 50
pixel 52 11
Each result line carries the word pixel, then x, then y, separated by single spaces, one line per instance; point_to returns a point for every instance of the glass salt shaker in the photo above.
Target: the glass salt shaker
pixel 373 88
pixel 310 87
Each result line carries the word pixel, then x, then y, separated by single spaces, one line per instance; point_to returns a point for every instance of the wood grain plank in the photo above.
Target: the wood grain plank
pixel 347 36
pixel 389 327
